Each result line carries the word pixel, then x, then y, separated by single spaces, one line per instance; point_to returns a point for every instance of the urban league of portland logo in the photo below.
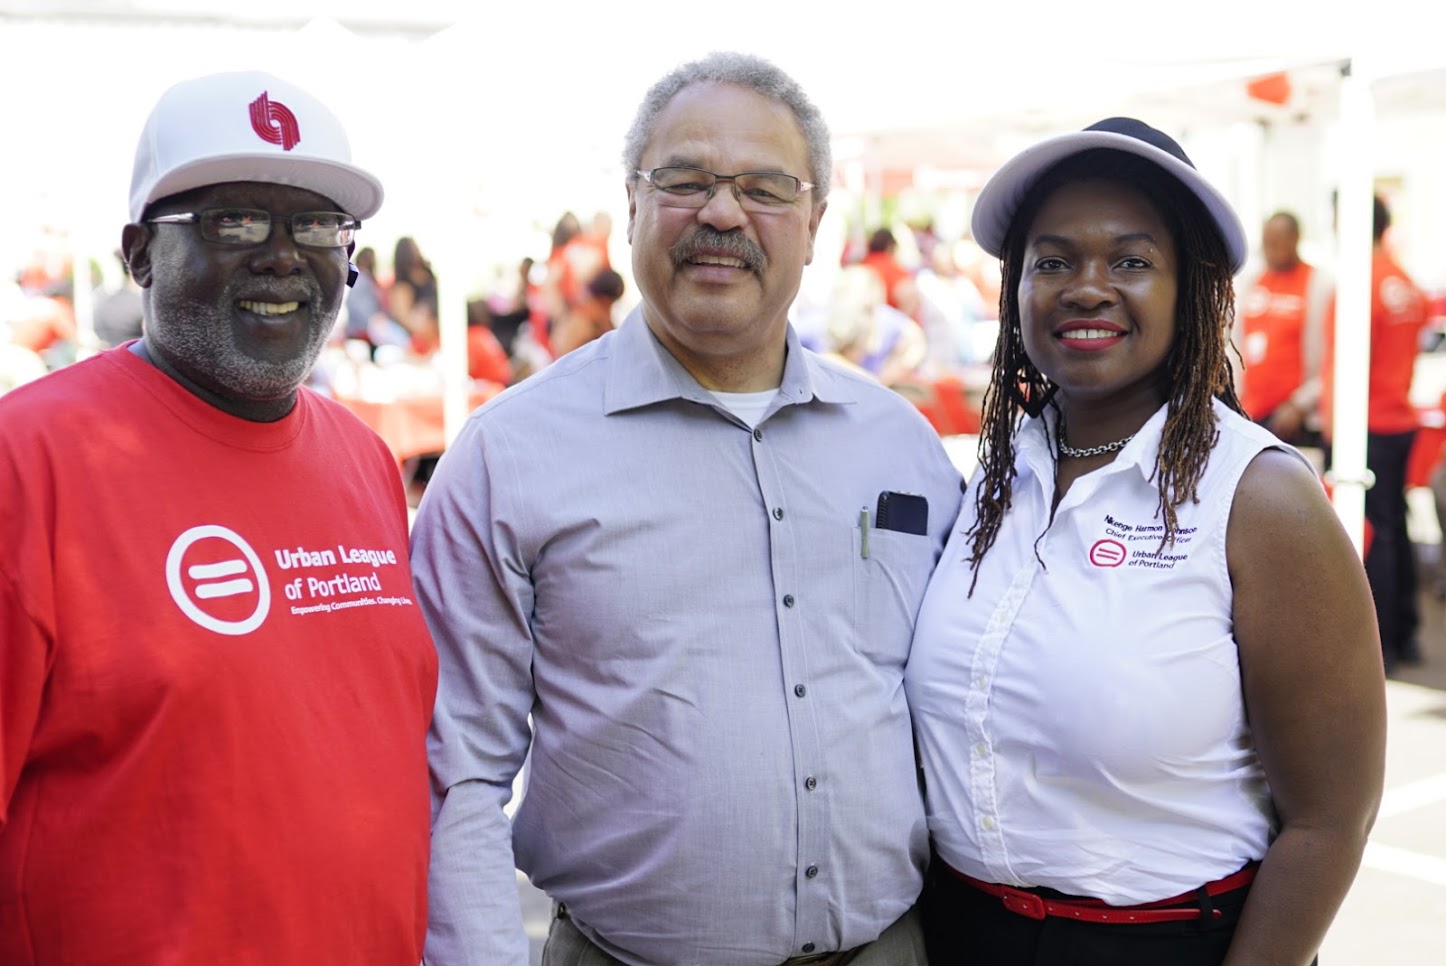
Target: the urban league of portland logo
pixel 217 580
pixel 274 122
pixel 1108 553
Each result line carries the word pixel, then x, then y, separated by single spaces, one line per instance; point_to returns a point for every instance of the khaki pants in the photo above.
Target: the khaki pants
pixel 902 944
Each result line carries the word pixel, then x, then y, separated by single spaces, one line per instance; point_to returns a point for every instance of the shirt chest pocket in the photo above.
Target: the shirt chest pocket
pixel 890 575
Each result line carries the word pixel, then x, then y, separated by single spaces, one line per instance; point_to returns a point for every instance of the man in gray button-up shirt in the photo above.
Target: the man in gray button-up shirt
pixel 658 564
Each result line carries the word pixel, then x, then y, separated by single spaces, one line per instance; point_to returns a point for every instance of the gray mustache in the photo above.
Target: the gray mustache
pixel 728 243
pixel 279 290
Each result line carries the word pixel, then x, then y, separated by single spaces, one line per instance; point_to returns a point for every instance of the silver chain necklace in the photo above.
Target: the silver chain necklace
pixel 1069 450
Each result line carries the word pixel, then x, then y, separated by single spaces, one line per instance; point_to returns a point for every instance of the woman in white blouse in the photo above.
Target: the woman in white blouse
pixel 1145 679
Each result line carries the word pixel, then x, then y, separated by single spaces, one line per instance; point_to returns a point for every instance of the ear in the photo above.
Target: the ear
pixel 632 209
pixel 814 218
pixel 136 247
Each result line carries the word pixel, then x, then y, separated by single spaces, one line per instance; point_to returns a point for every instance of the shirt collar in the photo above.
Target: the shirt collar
pixel 641 372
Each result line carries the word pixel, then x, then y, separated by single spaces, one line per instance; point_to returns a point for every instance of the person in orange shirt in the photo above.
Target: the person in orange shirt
pixel 575 261
pixel 1281 336
pixel 592 316
pixel 1398 314
pixel 899 287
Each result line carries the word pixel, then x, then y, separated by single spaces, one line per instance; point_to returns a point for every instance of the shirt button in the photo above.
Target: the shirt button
pixel 809 947
pixel 811 872
pixel 810 783
pixel 800 690
pixel 778 513
pixel 758 435
pixel 980 750
pixel 987 822
pixel 787 600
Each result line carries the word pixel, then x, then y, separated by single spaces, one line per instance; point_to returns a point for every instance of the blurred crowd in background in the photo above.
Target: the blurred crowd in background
pixel 913 309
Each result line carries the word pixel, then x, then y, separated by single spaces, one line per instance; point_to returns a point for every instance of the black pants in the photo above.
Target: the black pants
pixel 966 927
pixel 1391 562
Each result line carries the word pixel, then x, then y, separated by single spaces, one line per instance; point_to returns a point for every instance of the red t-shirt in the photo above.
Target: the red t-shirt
pixel 1272 320
pixel 1398 313
pixel 486 359
pixel 573 265
pixel 889 271
pixel 215 682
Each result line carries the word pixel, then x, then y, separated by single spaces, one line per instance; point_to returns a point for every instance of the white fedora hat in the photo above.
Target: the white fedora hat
pixel 995 208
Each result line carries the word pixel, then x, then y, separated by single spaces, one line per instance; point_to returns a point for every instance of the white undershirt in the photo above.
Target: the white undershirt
pixel 747 406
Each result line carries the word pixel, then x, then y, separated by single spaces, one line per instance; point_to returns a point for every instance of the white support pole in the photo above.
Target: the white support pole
pixel 452 323
pixel 1349 475
pixel 82 299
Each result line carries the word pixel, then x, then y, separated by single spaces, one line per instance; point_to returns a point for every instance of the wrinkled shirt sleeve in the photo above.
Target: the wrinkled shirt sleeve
pixel 476 594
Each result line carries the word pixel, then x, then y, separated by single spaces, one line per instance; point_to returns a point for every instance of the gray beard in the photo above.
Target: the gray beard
pixel 199 340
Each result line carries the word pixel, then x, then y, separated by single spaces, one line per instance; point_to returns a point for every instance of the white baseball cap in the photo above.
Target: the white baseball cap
pixel 1005 191
pixel 247 126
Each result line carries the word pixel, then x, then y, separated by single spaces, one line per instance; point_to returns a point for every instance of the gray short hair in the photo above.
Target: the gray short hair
pixel 741 70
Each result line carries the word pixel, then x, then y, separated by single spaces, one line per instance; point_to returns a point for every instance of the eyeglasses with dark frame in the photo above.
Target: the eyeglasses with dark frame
pixel 252 226
pixel 682 186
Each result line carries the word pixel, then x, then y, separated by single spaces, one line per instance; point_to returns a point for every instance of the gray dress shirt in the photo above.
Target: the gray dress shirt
pixel 684 620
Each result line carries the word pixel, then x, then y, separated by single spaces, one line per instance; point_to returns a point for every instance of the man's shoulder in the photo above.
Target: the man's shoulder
pixel 323 404
pixel 79 383
pixel 1393 269
pixel 76 406
pixel 867 399
pixel 324 407
pixel 577 379
pixel 858 383
pixel 337 424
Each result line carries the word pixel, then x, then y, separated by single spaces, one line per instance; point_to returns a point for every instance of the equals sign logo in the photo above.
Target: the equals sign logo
pixel 214 580
pixel 1108 553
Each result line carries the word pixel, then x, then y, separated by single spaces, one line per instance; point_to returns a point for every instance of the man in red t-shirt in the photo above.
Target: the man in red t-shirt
pixel 1398 313
pixel 1281 335
pixel 215 681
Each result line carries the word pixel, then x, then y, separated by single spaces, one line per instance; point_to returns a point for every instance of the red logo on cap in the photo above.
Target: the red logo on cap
pixel 274 122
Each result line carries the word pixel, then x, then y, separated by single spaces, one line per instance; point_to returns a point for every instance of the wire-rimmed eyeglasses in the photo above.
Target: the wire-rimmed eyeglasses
pixel 687 187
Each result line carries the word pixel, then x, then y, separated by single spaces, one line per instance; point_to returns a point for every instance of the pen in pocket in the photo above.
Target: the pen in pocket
pixel 864 532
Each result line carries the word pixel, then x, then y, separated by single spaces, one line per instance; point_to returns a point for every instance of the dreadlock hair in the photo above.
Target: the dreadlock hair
pixel 1196 371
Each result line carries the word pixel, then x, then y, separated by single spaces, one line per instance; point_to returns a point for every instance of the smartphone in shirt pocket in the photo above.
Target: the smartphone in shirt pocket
pixel 902 512
pixel 889 579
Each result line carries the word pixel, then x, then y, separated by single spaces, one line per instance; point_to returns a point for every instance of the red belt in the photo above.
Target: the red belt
pixel 1026 903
